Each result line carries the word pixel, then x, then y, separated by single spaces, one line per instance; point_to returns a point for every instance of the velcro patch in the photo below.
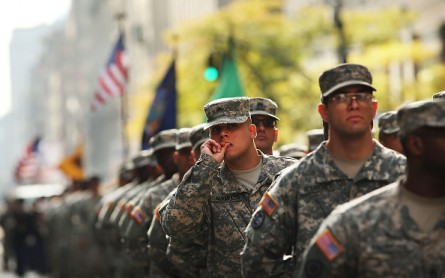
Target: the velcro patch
pixel 138 215
pixel 258 219
pixel 328 245
pixel 268 204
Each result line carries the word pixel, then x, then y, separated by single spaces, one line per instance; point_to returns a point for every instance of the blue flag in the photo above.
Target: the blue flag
pixel 162 113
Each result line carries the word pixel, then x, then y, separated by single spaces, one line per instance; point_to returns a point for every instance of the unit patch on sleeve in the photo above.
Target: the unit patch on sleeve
pixel 268 204
pixel 328 245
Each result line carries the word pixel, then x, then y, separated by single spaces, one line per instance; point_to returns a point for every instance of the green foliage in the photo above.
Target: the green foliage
pixel 281 57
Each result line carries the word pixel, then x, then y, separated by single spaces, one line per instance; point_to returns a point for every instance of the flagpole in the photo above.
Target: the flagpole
pixel 120 17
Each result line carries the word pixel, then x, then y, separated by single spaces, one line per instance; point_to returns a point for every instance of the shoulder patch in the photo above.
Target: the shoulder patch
pixel 257 219
pixel 268 204
pixel 138 215
pixel 328 245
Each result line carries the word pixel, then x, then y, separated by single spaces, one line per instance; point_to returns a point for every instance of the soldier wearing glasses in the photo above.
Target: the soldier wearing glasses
pixel 262 111
pixel 347 165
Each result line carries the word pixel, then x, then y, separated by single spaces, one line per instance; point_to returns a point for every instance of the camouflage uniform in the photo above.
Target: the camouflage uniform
pixel 388 122
pixel 211 205
pixel 314 137
pixel 304 194
pixel 375 235
pixel 293 150
pixel 189 256
pixel 439 96
pixel 142 214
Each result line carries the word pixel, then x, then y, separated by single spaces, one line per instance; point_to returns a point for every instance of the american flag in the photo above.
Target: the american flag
pixel 112 80
pixel 28 167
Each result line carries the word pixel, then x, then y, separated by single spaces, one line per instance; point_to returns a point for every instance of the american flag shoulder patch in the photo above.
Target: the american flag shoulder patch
pixel 268 204
pixel 328 245
pixel 138 215
pixel 156 212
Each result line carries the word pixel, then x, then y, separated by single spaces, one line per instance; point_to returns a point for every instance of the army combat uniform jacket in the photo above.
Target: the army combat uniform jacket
pixel 211 205
pixel 300 198
pixel 375 236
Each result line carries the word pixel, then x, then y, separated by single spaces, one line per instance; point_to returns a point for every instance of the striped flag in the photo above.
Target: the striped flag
pixel 112 80
pixel 28 167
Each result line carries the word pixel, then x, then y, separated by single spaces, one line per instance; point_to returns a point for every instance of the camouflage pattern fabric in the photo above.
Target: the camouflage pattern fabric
pixel 300 198
pixel 374 236
pixel 263 106
pixel 211 205
pixel 160 266
pixel 227 110
pixel 388 122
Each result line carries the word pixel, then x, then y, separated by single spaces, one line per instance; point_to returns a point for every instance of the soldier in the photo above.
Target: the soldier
pixel 135 236
pixel 262 111
pixel 349 164
pixel 314 138
pixel 187 255
pixel 388 130
pixel 160 266
pixel 216 198
pixel 294 150
pixel 398 230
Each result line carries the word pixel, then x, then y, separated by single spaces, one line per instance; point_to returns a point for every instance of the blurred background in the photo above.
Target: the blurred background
pixel 66 116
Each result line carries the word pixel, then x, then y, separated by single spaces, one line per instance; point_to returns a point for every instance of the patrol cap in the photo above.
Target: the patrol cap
pixel 293 150
pixel 439 96
pixel 420 114
pixel 227 110
pixel 263 106
pixel 388 122
pixel 164 139
pixel 183 139
pixel 344 75
pixel 145 158
pixel 198 135
pixel 315 137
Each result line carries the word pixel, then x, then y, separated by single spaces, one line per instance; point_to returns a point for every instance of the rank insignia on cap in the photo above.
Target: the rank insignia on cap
pixel 268 204
pixel 328 245
pixel 138 215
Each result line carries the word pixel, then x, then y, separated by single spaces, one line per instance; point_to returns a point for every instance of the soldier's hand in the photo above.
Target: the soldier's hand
pixel 214 149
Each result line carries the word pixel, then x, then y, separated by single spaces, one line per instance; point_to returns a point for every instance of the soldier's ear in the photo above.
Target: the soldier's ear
pixel 414 144
pixel 323 111
pixel 252 129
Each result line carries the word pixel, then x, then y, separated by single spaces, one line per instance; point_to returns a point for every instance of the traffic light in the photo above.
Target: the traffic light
pixel 211 72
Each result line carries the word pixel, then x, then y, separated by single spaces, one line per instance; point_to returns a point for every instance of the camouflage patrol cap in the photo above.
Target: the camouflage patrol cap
pixel 344 75
pixel 145 158
pixel 198 135
pixel 263 106
pixel 164 139
pixel 420 114
pixel 315 137
pixel 227 110
pixel 388 122
pixel 439 96
pixel 183 139
pixel 293 150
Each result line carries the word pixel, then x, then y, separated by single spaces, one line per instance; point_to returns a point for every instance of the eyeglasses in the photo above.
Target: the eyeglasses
pixel 267 122
pixel 362 98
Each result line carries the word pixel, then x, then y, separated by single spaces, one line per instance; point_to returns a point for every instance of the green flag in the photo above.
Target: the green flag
pixel 230 84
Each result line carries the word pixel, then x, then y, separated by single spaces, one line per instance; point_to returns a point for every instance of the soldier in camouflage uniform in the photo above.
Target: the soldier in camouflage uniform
pixel 349 164
pixel 314 138
pixel 216 198
pixel 398 230
pixel 135 234
pixel 294 150
pixel 388 130
pixel 186 254
pixel 160 266
pixel 263 112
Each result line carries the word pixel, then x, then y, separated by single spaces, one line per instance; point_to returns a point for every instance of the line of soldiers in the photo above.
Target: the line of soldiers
pixel 215 201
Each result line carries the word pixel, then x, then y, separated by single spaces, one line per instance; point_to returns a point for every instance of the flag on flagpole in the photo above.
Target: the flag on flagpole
pixel 114 76
pixel 230 84
pixel 162 112
pixel 27 169
pixel 72 165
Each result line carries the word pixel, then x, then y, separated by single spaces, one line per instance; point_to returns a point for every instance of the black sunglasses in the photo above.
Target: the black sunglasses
pixel 267 122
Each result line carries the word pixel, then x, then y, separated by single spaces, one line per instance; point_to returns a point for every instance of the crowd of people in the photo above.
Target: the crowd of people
pixel 218 200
